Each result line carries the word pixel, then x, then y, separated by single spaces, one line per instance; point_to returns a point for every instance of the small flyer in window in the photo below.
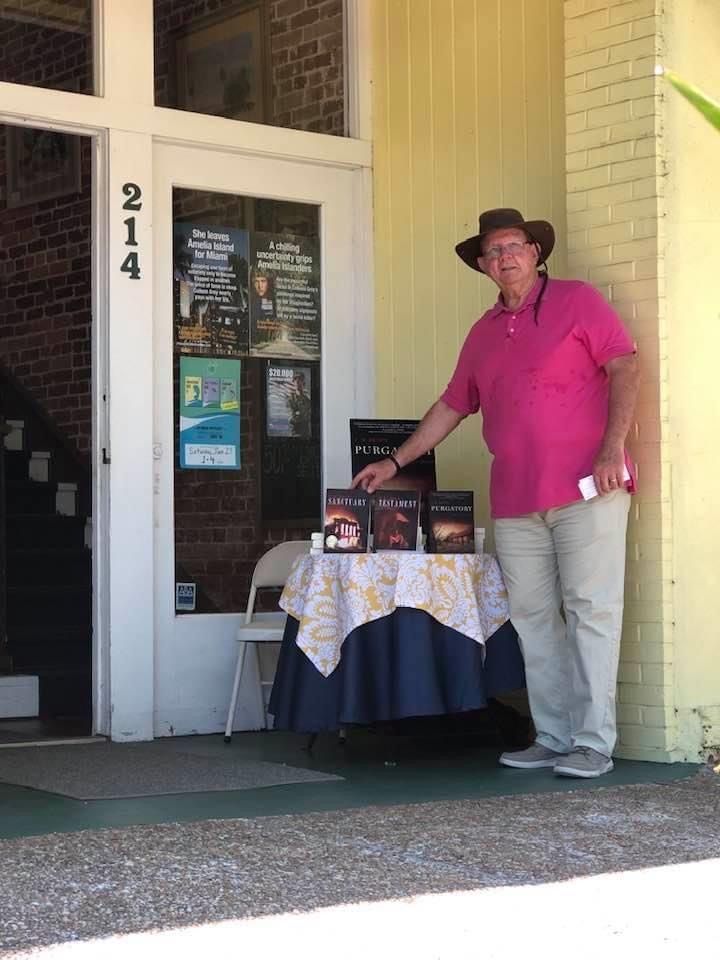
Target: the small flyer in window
pixel 193 391
pixel 210 277
pixel 289 400
pixel 284 292
pixel 209 413
pixel 229 399
pixel 211 392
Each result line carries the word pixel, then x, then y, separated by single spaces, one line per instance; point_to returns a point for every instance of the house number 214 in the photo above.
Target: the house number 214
pixel 131 263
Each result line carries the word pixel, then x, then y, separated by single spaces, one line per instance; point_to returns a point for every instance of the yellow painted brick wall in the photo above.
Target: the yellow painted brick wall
pixel 615 184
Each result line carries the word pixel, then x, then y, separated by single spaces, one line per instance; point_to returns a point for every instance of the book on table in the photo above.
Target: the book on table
pixel 373 440
pixel 347 515
pixel 395 519
pixel 451 522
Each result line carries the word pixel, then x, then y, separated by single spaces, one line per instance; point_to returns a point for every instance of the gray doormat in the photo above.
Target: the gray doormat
pixel 104 771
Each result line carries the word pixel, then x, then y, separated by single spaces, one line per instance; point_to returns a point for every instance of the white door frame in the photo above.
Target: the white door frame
pixel 194 654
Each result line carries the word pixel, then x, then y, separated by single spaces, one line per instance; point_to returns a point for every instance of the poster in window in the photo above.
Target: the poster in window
pixel 284 292
pixel 210 272
pixel 209 413
pixel 290 466
pixel 289 400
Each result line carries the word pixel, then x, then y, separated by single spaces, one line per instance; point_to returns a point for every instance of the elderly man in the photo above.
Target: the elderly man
pixel 554 373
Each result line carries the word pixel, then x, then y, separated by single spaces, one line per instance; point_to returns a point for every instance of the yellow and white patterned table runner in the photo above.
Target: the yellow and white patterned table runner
pixel 332 594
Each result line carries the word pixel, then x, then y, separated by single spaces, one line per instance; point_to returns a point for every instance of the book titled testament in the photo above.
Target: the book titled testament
pixel 451 522
pixel 395 519
pixel 347 515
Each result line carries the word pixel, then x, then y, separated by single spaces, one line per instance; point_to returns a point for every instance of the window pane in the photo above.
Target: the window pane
pixel 278 62
pixel 246 387
pixel 47 43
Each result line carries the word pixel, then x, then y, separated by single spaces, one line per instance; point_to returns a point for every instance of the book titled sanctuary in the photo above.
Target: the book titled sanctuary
pixel 395 519
pixel 451 521
pixel 347 516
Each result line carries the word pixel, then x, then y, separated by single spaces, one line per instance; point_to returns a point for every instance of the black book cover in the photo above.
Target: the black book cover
pixel 372 440
pixel 395 519
pixel 347 515
pixel 452 522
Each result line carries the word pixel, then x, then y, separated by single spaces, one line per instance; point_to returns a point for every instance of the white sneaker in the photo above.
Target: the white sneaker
pixel 532 758
pixel 584 762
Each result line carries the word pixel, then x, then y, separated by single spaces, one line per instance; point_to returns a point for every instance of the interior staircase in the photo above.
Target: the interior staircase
pixel 48 581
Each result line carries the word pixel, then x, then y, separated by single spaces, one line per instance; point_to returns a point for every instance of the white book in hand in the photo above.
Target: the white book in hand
pixel 588 488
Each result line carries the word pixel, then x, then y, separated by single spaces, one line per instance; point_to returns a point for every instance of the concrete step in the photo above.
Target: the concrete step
pixel 19 696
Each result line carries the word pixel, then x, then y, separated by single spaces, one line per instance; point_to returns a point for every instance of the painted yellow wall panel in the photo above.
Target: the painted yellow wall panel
pixel 461 89
pixel 692 224
pixel 423 332
pixel 513 102
pixel 400 170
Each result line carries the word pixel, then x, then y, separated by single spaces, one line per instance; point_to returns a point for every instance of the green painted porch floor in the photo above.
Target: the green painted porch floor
pixel 378 768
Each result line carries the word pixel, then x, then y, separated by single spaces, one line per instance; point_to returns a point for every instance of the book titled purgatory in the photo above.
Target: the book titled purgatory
pixel 395 519
pixel 347 515
pixel 451 520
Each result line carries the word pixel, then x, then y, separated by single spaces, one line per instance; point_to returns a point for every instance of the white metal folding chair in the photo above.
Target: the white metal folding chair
pixel 271 570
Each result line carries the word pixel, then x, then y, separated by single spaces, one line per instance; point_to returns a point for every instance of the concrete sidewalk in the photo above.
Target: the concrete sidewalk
pixel 632 869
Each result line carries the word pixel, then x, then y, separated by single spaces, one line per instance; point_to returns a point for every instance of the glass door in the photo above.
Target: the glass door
pixel 261 357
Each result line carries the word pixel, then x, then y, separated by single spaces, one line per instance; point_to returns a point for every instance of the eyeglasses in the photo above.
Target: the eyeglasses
pixel 514 248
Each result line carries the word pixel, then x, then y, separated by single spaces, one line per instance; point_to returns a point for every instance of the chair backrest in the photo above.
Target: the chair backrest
pixel 273 569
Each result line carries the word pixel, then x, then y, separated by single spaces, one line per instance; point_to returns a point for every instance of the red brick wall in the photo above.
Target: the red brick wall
pixel 45 302
pixel 306 51
pixel 42 56
pixel 307 65
pixel 45 260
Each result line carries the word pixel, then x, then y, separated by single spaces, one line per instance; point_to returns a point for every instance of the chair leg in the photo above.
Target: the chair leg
pixel 235 691
pixel 261 692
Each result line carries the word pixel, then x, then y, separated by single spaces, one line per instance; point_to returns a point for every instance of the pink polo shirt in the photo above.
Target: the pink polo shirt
pixel 542 390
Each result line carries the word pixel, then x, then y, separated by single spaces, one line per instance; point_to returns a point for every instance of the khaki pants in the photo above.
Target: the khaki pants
pixel 571 557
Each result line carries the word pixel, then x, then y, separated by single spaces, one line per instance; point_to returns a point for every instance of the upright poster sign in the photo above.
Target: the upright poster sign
pixel 209 413
pixel 289 400
pixel 284 292
pixel 210 274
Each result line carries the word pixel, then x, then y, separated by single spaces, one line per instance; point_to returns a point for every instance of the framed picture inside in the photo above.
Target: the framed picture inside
pixel 41 164
pixel 222 64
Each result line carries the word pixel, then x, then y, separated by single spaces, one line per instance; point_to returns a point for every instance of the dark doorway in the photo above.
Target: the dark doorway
pixel 46 416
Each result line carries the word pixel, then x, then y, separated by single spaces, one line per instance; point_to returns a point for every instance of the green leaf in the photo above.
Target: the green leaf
pixel 709 108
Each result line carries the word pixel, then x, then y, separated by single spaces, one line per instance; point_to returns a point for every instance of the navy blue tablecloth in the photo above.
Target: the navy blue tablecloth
pixel 403 665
